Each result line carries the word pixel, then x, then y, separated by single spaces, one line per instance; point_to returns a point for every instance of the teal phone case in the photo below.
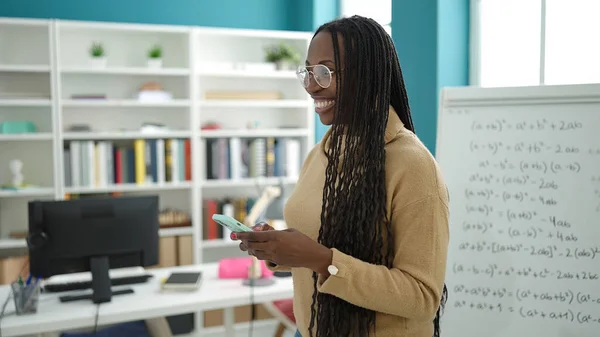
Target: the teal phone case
pixel 230 223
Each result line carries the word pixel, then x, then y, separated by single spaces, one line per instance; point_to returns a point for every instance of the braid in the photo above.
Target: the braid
pixel 354 214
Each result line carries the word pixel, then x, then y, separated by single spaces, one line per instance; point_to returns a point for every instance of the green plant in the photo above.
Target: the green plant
pixel 155 52
pixel 281 52
pixel 97 50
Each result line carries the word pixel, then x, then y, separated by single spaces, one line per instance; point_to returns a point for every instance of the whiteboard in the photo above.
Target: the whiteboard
pixel 523 171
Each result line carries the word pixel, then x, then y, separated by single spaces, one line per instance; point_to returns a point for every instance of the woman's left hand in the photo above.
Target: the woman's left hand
pixel 287 247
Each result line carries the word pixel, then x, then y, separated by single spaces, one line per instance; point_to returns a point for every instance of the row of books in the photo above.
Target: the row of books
pixel 237 208
pixel 89 163
pixel 237 158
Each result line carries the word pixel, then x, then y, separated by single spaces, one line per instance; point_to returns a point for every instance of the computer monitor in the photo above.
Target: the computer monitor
pixel 92 234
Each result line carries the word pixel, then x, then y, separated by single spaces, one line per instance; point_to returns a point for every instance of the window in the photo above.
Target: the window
pixel 533 42
pixel 572 49
pixel 378 10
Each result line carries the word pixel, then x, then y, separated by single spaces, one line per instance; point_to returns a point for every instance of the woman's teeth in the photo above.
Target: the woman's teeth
pixel 323 104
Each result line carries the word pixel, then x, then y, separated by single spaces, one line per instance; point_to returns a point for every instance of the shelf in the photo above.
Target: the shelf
pixel 126 71
pixel 122 28
pixel 122 103
pixel 247 182
pixel 249 74
pixel 284 103
pixel 219 243
pixel 175 231
pixel 255 133
pixel 60 73
pixel 252 33
pixel 27 192
pixel 23 22
pixel 25 137
pixel 25 102
pixel 129 188
pixel 13 244
pixel 23 68
pixel 124 135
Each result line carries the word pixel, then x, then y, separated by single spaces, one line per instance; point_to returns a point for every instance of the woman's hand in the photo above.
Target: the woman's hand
pixel 261 226
pixel 287 248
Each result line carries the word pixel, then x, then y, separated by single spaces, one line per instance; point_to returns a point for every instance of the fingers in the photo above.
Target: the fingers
pixel 260 250
pixel 256 243
pixel 262 246
pixel 261 255
pixel 262 226
pixel 261 236
pixel 258 226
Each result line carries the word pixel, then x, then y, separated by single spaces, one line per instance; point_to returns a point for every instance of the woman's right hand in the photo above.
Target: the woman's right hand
pixel 261 226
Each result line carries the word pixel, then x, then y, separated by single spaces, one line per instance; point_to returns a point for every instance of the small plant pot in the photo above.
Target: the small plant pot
pixel 98 62
pixel 155 63
pixel 285 65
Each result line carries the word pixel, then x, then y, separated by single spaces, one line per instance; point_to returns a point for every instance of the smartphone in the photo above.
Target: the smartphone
pixel 230 223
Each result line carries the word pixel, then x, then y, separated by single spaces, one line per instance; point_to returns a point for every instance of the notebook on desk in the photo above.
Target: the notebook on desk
pixel 185 281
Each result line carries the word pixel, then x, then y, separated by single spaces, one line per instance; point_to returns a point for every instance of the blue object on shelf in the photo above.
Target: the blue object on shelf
pixel 13 127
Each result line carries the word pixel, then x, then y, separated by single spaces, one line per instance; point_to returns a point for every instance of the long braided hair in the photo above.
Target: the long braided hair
pixel 354 215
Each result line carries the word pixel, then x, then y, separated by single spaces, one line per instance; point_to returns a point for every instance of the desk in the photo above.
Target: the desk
pixel 147 302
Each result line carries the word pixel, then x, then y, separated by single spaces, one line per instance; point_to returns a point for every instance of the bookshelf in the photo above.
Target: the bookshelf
pixel 89 118
pixel 26 93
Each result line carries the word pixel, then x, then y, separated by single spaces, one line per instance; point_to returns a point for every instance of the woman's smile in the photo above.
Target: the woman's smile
pixel 323 105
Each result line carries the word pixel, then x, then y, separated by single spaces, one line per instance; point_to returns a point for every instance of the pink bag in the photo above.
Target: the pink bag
pixel 237 267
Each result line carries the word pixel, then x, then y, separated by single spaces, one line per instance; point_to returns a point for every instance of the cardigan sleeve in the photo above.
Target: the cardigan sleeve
pixel 413 287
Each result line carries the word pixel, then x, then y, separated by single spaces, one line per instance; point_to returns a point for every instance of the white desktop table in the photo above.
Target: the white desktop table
pixel 146 302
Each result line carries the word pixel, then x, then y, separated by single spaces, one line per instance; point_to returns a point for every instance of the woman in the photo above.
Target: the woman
pixel 368 218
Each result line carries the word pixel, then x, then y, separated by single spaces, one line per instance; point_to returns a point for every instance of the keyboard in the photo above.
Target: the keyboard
pixel 85 284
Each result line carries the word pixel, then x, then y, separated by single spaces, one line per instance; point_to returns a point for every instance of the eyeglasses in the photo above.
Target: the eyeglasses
pixel 321 73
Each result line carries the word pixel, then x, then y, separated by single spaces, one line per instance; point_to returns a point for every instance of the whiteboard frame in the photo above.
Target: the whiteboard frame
pixel 452 97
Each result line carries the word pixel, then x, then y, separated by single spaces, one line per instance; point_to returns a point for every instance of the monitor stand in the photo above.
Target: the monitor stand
pixel 101 291
pixel 101 285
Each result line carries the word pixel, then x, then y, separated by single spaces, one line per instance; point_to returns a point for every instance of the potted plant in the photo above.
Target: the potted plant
pixel 155 57
pixel 97 55
pixel 283 55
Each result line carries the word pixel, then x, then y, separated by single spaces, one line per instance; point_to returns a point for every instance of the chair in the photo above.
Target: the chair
pixel 282 311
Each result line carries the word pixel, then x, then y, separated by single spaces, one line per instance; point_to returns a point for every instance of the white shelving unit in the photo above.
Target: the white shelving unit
pixel 289 117
pixel 45 63
pixel 26 93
